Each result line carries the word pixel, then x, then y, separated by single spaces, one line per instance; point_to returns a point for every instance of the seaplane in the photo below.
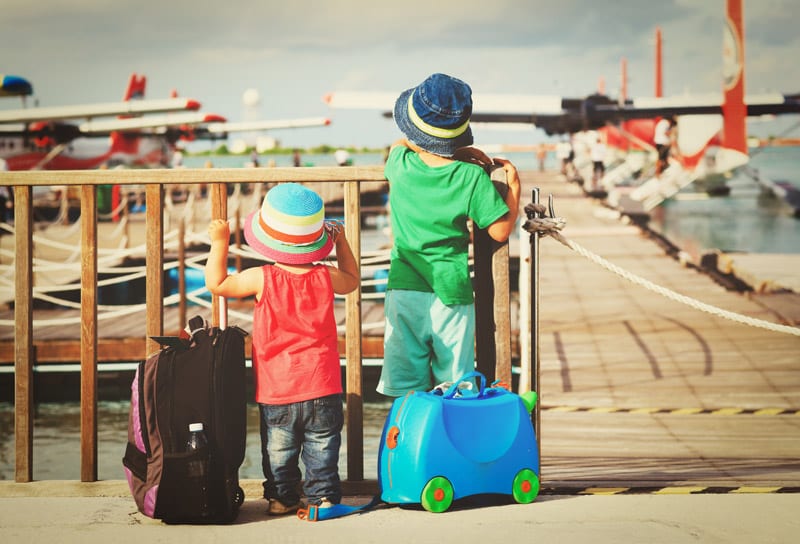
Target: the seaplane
pixel 112 134
pixel 711 142
pixel 51 138
pixel 706 148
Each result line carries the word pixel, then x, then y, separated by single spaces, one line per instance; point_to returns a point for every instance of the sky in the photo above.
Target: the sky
pixel 294 52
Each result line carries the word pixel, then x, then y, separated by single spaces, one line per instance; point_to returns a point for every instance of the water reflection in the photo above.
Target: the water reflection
pixel 56 441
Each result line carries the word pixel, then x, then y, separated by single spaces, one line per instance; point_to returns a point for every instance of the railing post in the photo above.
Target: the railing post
pixel 353 348
pixel 88 333
pixel 154 267
pixel 23 333
pixel 218 192
pixel 182 319
pixel 492 300
pixel 501 306
pixel 485 357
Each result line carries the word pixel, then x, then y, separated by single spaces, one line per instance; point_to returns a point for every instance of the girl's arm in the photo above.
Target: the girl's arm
pixel 346 277
pixel 218 282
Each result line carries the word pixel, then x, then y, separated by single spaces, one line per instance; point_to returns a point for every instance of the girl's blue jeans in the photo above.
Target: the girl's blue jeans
pixel 312 431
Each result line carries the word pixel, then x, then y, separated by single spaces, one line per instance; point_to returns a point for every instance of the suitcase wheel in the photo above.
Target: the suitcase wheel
pixel 437 495
pixel 526 486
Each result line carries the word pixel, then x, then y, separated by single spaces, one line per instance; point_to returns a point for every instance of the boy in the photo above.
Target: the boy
pixel 295 343
pixel 434 192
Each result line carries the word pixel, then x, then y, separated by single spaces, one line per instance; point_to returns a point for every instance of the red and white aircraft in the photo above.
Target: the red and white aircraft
pixel 39 138
pixel 709 146
pixel 42 138
pixel 706 148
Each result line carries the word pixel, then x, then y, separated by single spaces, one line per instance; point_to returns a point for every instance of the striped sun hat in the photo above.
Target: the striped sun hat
pixel 289 227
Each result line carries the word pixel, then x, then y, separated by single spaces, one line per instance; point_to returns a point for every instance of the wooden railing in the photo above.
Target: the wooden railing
pixel 491 280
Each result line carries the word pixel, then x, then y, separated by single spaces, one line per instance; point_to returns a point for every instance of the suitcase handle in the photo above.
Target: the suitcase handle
pixel 450 393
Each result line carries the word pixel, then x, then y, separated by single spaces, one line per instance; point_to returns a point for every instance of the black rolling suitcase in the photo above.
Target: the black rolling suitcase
pixel 196 378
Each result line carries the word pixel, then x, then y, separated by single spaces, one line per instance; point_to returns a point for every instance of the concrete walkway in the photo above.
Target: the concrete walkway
pixel 672 519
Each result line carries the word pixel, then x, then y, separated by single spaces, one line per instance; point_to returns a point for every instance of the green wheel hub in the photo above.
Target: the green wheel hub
pixel 526 486
pixel 437 495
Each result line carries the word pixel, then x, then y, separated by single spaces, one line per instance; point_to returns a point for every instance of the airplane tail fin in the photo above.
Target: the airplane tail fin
pixel 734 111
pixel 122 143
pixel 699 132
pixel 659 90
pixel 135 89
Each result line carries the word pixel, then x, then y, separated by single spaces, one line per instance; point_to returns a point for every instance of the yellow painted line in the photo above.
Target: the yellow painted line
pixel 727 411
pixel 768 412
pixel 679 490
pixel 644 410
pixel 603 490
pixel 674 411
pixel 755 490
pixel 687 411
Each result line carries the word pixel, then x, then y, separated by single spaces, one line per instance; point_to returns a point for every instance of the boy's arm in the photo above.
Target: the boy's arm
pixel 501 229
pixel 472 155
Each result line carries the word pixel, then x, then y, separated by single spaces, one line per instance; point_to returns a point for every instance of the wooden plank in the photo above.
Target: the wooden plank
pixel 182 318
pixel 23 342
pixel 219 210
pixel 501 303
pixel 88 333
pixel 502 312
pixel 355 398
pixel 317 174
pixel 154 274
pixel 492 302
pixel 115 350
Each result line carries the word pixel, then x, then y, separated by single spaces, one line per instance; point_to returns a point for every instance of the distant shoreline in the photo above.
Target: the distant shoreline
pixel 777 142
pixel 318 150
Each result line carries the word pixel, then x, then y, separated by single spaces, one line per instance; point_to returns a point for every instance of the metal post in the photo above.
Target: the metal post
pixel 534 345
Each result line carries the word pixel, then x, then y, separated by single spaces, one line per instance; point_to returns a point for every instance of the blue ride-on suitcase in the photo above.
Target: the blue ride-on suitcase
pixel 440 446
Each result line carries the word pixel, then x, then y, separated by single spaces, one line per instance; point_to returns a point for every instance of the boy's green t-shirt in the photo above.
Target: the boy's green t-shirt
pixel 430 207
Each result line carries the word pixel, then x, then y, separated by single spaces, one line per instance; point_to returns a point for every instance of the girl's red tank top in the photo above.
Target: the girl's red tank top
pixel 295 342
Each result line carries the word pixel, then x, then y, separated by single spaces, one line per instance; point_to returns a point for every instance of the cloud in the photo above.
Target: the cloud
pixel 293 52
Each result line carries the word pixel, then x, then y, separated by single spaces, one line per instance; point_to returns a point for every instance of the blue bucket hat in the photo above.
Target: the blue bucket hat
pixel 435 114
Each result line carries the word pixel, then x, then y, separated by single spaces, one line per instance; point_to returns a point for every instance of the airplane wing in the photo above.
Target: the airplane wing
pixel 109 109
pixel 554 114
pixel 558 115
pixel 268 125
pixel 159 122
pixel 646 108
pixel 220 129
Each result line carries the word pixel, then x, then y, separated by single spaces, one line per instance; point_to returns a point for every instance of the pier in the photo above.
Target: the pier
pixel 682 415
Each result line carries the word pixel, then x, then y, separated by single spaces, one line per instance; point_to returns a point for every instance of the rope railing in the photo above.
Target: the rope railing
pixel 552 226
pixel 371 263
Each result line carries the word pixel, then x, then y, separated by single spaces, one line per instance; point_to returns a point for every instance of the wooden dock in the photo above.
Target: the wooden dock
pixel 639 389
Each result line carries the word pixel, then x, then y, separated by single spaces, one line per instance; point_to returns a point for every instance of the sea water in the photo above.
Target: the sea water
pixel 57 439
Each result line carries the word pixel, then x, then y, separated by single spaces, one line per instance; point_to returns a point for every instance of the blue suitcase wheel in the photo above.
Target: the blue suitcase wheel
pixel 437 495
pixel 526 486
